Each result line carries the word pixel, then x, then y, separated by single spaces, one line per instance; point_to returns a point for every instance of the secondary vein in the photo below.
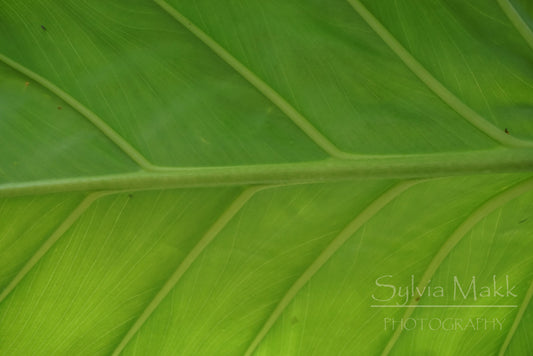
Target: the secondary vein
pixel 60 231
pixel 371 210
pixel 297 118
pixel 454 239
pixel 209 236
pixel 434 85
pixel 517 21
pixel 111 134
pixel 518 318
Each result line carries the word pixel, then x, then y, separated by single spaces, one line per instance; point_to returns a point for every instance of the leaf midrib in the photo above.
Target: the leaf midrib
pixel 500 160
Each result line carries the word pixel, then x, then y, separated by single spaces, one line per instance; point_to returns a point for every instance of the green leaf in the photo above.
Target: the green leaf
pixel 266 177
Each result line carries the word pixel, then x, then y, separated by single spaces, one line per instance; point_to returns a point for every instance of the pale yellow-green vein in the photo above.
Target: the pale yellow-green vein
pixel 478 121
pixel 517 21
pixel 331 170
pixel 298 119
pixel 43 249
pixel 111 134
pixel 518 318
pixel 485 209
pixel 208 237
pixel 371 210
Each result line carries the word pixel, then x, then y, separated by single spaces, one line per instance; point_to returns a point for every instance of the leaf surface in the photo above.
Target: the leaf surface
pixel 258 178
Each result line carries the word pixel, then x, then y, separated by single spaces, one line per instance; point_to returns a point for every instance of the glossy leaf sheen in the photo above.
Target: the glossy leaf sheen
pixel 231 178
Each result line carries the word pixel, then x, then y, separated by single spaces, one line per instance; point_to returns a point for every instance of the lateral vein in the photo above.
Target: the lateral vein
pixel 54 237
pixel 208 237
pixel 371 210
pixel 94 119
pixel 518 318
pixel 481 212
pixel 435 85
pixel 517 21
pixel 296 117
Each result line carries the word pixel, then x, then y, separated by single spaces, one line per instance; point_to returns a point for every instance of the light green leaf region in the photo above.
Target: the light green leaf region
pixel 314 177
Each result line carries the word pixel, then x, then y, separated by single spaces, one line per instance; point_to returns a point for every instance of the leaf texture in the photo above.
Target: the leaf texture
pixel 233 177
